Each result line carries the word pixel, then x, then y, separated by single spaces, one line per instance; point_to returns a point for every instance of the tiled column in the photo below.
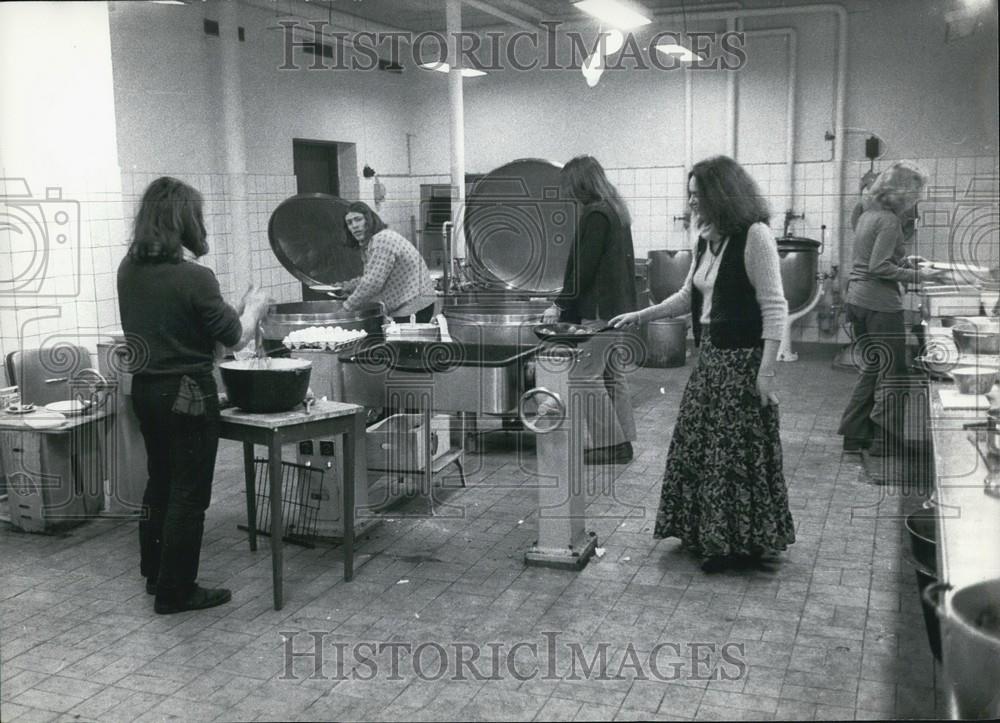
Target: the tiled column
pixel 61 228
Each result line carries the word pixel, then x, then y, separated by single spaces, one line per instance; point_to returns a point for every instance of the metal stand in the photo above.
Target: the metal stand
pixel 785 353
pixel 553 410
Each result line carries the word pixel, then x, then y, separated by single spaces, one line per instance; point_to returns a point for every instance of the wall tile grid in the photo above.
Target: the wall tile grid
pixel 959 218
pixel 61 291
pixel 960 222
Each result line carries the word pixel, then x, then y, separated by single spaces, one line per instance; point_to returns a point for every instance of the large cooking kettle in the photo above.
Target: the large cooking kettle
pixel 970 644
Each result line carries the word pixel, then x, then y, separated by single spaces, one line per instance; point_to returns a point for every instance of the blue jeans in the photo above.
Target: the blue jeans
pixel 181 450
pixel 880 351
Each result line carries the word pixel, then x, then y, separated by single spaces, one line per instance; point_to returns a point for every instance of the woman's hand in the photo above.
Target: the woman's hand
pixel 926 274
pixel 629 318
pixel 551 315
pixel 914 261
pixel 767 387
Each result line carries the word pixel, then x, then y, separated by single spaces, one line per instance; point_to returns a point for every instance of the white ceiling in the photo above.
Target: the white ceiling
pixel 426 15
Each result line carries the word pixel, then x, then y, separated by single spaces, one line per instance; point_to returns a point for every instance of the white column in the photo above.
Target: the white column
pixel 62 225
pixel 236 155
pixel 456 104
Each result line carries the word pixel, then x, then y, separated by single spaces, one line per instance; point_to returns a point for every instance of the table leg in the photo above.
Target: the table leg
pixel 249 480
pixel 428 484
pixel 354 440
pixel 277 543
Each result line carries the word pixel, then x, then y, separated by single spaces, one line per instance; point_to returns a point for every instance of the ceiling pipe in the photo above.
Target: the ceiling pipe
pixel 456 104
pixel 840 90
pixel 501 15
pixel 308 11
pixel 732 24
pixel 527 9
pixel 791 49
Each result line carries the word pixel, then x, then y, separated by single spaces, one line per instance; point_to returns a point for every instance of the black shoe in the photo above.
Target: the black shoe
pixel 856 444
pixel 617 454
pixel 716 563
pixel 150 587
pixel 199 598
pixel 876 449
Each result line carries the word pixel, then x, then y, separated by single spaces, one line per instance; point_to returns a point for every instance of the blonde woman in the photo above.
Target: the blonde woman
pixel 879 267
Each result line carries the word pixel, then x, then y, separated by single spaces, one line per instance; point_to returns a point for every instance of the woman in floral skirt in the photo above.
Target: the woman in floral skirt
pixel 724 491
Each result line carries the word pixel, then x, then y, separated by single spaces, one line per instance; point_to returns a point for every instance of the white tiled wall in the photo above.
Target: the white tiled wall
pixel 960 219
pixel 960 222
pixel 59 287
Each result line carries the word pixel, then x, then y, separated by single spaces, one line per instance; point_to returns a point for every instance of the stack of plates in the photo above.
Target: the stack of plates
pixel 70 407
pixel 45 419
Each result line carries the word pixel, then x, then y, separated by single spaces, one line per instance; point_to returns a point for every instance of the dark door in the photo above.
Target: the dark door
pixel 315 167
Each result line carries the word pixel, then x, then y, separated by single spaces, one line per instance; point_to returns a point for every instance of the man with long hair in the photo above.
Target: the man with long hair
pixel 173 315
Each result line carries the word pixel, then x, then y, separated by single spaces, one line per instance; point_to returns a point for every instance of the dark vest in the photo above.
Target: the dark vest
pixel 736 321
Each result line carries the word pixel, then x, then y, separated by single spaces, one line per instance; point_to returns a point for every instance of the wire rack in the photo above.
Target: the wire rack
pixel 299 506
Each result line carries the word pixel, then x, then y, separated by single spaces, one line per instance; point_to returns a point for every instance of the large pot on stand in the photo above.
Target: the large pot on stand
pixel 308 237
pixel 519 232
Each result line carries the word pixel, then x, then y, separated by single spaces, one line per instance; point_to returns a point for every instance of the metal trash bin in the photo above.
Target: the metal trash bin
pixel 666 343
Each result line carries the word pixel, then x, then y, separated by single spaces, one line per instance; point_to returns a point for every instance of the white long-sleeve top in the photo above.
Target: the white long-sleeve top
pixel 763 268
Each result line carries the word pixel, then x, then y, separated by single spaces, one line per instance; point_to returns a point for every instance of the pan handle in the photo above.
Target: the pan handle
pixel 934 596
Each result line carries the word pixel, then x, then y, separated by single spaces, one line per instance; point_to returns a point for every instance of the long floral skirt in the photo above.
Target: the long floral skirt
pixel 723 489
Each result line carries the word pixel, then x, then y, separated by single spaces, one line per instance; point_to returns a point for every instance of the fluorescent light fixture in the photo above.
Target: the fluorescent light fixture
pixel 678 51
pixel 623 14
pixel 169 2
pixel 614 41
pixel 445 68
pixel 593 69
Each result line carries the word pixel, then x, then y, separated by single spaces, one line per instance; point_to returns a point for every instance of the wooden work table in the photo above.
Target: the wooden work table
pixel 325 419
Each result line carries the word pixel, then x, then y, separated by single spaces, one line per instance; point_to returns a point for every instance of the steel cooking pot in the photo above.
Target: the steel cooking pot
pixel 970 644
pixel 266 386
pixel 667 271
pixel 497 323
pixel 799 259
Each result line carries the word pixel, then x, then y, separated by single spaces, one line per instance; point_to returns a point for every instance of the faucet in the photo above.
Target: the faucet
pixel 790 216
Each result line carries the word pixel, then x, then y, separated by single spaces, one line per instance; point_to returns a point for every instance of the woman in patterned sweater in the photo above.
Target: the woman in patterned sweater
pixel 395 272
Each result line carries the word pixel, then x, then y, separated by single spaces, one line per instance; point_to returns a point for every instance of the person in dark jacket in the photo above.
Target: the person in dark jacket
pixel 599 283
pixel 173 315
pixel 724 491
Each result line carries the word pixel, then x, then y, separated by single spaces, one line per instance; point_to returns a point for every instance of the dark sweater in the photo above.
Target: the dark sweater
pixel 175 314
pixel 600 273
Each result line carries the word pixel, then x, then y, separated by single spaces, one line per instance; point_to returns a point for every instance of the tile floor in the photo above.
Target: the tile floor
pixel 832 632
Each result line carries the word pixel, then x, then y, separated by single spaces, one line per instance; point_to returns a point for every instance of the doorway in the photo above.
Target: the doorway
pixel 316 167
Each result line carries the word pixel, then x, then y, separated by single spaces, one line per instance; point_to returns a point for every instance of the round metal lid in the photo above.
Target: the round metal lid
pixel 308 236
pixel 518 229
pixel 797 243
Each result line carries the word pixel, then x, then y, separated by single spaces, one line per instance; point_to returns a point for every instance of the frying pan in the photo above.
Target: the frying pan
pixel 566 333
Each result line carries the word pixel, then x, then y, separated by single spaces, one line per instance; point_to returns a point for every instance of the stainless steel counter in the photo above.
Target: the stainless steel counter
pixel 968 550
pixel 969 527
